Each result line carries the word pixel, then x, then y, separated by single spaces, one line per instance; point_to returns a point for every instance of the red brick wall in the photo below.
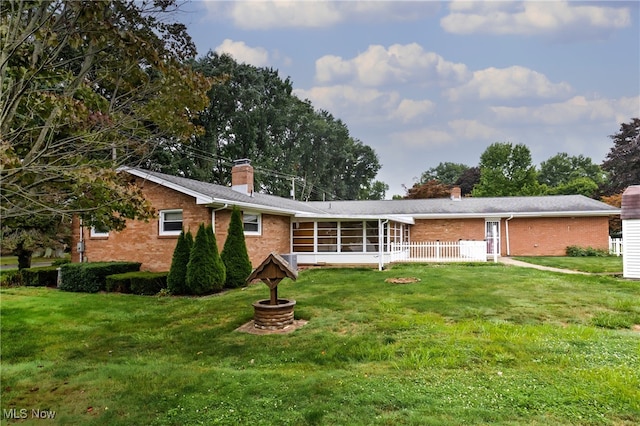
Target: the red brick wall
pixel 527 236
pixel 447 229
pixel 140 241
pixel 551 236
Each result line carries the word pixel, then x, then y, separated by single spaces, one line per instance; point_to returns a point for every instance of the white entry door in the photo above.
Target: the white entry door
pixel 492 235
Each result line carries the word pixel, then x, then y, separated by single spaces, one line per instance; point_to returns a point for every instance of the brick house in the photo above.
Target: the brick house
pixel 342 232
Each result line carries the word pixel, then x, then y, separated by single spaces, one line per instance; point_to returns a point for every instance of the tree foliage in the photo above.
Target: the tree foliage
pixel 429 189
pixel 234 253
pixel 177 277
pixel 562 169
pixel 447 173
pixel 623 160
pixel 506 170
pixel 253 114
pixel 86 87
pixel 467 180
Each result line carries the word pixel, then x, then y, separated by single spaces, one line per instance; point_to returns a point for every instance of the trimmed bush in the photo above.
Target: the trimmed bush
pixel 142 283
pixel 92 277
pixel 575 251
pixel 205 270
pixel 177 278
pixel 10 278
pixel 46 276
pixel 234 254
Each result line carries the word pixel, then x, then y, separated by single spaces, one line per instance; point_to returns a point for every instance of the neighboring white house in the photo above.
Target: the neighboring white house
pixel 630 216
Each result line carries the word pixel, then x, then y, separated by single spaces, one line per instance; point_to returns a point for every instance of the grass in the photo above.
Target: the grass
pixel 592 264
pixel 467 344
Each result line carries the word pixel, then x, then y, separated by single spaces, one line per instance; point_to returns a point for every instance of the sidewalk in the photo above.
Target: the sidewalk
pixel 513 262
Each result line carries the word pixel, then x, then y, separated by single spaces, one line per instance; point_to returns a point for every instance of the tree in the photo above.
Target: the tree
pixel 35 233
pixel 506 170
pixel 253 114
pixel 205 270
pixel 377 190
pixel 562 169
pixel 467 180
pixel 87 87
pixel 622 161
pixel 430 189
pixel 177 278
pixel 234 253
pixel 447 173
pixel 581 186
pixel 615 223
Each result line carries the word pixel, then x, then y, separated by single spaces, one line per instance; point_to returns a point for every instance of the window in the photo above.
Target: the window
pixel 99 232
pixel 251 223
pixel 170 222
pixel 303 236
pixel 327 236
pixel 351 236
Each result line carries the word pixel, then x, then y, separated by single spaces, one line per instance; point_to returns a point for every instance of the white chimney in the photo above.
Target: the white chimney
pixel 242 176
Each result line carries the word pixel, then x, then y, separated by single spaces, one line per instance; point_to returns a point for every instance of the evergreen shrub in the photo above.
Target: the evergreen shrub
pixel 234 254
pixel 205 270
pixel 177 278
pixel 46 276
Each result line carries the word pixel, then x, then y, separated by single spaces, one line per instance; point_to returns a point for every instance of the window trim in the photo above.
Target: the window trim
pixel 161 223
pixel 94 233
pixel 258 216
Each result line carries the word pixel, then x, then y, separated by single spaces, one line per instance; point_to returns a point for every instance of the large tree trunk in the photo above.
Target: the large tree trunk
pixel 24 258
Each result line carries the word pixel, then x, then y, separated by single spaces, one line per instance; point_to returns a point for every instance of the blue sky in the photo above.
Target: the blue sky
pixel 424 82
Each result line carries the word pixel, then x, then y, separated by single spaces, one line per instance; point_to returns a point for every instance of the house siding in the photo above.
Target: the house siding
pixel 447 229
pixel 140 241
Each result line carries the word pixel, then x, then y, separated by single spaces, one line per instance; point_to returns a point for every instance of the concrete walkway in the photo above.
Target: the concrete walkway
pixel 514 262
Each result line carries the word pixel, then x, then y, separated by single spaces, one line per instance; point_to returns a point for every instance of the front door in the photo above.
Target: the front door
pixel 492 235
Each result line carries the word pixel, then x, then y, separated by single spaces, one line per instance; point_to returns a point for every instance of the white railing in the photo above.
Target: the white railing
pixel 440 251
pixel 615 246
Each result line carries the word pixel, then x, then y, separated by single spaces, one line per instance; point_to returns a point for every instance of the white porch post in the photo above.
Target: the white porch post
pixel 495 243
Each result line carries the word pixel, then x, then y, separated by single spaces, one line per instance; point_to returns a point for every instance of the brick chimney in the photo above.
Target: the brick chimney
pixel 242 176
pixel 456 193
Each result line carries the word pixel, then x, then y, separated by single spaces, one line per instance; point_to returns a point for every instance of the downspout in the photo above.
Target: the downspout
pixel 213 216
pixel 381 224
pixel 80 246
pixel 506 229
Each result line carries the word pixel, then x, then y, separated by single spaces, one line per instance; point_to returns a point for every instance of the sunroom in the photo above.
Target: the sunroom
pixel 348 240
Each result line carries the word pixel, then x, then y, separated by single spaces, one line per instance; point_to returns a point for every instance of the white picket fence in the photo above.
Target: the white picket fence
pixel 615 246
pixel 439 251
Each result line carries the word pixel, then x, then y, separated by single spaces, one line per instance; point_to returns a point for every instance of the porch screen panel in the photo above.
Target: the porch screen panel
pixel 327 237
pixel 303 236
pixel 372 237
pixel 351 236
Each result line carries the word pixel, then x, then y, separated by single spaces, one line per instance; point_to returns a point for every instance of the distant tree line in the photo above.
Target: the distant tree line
pixel 506 169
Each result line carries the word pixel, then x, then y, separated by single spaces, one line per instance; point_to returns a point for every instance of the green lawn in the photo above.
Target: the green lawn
pixel 467 344
pixel 593 264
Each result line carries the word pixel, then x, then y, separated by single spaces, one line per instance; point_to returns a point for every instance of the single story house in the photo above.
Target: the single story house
pixel 344 232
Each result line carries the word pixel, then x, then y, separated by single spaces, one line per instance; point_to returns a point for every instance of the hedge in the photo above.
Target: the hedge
pixel 143 283
pixel 46 276
pixel 92 277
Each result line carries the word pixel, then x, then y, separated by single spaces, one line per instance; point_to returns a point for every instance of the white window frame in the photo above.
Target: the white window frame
pixel 94 233
pixel 259 222
pixel 161 222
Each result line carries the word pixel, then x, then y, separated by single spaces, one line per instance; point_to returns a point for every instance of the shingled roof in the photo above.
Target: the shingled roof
pixel 539 206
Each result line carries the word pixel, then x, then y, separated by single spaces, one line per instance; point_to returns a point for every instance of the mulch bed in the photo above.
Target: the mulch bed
pixel 402 280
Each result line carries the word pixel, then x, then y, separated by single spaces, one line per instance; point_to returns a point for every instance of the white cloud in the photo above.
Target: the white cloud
pixel 535 17
pixel 356 104
pixel 256 56
pixel 422 138
pixel 508 83
pixel 263 15
pixel 269 14
pixel 378 66
pixel 573 111
pixel 469 130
